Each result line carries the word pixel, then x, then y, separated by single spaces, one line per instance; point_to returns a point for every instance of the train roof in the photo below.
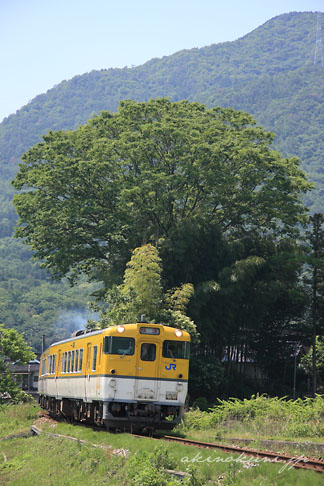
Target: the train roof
pixel 83 333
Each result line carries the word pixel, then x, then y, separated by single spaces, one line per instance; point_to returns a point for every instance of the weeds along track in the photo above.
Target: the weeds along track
pixel 301 462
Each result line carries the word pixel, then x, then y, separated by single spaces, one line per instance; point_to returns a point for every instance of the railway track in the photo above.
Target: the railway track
pixel 301 462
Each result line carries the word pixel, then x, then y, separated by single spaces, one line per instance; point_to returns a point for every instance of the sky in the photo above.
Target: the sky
pixel 44 42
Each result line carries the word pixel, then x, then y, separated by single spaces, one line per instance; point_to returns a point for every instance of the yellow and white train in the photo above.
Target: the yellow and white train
pixel 129 377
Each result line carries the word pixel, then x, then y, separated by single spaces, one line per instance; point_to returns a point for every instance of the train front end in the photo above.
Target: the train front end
pixel 146 376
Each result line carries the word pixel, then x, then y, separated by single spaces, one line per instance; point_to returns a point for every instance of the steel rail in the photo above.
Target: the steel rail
pixel 301 462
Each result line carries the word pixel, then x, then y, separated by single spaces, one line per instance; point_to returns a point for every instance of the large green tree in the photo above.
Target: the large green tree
pixel 88 197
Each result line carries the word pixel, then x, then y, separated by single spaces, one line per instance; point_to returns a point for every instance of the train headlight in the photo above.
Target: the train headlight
pixel 179 387
pixel 112 383
pixel 120 329
pixel 178 333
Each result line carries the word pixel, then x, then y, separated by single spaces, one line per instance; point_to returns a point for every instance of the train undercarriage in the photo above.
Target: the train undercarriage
pixel 125 416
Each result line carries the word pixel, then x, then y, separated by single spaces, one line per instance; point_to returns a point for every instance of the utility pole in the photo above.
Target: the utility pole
pixel 296 353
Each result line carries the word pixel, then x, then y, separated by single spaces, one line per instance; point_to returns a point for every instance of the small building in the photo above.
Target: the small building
pixel 27 376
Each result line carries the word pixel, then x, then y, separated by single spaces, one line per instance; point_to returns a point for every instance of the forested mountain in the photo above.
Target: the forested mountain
pixel 269 73
pixel 272 73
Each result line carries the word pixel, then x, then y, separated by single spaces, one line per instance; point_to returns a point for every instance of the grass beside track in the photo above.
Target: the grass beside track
pixel 17 419
pixel 58 461
pixel 260 417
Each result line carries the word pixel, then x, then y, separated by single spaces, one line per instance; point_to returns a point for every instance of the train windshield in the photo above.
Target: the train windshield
pixel 176 349
pixel 118 345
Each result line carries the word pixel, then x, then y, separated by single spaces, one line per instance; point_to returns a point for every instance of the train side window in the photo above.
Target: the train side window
pixel 53 364
pixel 69 362
pixel 148 352
pixel 64 362
pixel 176 349
pixel 72 361
pixel 118 345
pixel 48 368
pixel 107 343
pixel 94 358
pixel 81 360
pixel 76 360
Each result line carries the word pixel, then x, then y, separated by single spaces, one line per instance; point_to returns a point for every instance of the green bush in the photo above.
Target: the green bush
pixel 263 416
pixel 148 469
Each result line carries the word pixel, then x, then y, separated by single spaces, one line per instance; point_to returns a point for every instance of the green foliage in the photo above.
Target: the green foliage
pixel 61 461
pixel 142 283
pixel 177 299
pixel 313 278
pixel 263 416
pixel 206 375
pixel 181 321
pixel 17 418
pixel 195 419
pixel 250 306
pixel 141 290
pixel 137 175
pixel 141 293
pixel 306 360
pixel 165 172
pixel 70 463
pixel 201 403
pixel 148 469
pixel 161 172
pixel 31 303
pixel 269 73
pixel 12 348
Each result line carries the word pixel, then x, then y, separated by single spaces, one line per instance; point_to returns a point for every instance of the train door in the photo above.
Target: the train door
pixel 87 382
pixel 147 366
pixel 57 372
pixel 98 371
